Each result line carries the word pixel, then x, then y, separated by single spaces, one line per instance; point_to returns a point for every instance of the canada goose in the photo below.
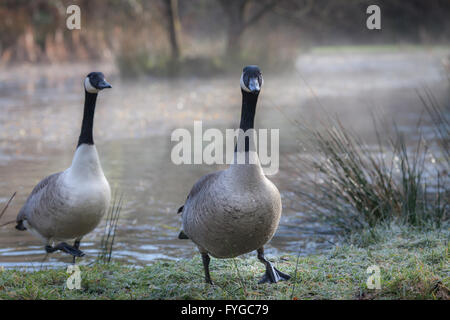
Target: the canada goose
pixel 237 210
pixel 69 204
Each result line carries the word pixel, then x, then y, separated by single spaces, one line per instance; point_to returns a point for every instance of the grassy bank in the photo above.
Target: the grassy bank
pixel 414 265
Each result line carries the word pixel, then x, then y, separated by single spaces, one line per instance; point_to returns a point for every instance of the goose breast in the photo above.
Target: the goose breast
pixel 228 218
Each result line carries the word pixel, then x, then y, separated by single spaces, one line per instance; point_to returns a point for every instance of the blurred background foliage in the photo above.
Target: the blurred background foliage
pixel 168 37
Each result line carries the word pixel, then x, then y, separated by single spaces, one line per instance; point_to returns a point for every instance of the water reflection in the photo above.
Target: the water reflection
pixel 40 118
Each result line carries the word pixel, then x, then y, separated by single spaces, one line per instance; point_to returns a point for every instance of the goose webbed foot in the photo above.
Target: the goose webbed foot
pixel 206 259
pixel 272 274
pixel 75 252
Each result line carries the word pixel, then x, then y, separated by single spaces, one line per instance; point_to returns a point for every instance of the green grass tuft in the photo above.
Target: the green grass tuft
pixel 413 264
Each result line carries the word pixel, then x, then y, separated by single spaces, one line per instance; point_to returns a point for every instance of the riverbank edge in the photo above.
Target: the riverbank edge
pixel 412 265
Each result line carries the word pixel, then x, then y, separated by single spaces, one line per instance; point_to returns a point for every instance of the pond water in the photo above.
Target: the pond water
pixel 40 117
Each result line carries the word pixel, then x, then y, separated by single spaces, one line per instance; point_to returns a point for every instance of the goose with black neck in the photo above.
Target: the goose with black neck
pixel 68 205
pixel 235 211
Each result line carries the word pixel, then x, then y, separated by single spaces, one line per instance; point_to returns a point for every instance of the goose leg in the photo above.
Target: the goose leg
pixel 76 245
pixel 206 260
pixel 65 248
pixel 43 260
pixel 272 274
pixel 47 244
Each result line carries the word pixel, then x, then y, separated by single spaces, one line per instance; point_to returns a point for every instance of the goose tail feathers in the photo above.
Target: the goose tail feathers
pixel 182 235
pixel 20 226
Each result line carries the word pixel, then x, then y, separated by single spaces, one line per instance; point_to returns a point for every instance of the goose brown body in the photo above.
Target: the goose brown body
pixel 232 212
pixel 69 204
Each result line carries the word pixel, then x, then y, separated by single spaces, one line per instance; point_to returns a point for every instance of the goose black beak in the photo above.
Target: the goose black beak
pixel 253 85
pixel 103 85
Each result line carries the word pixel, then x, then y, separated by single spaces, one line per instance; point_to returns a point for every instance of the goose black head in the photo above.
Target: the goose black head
pixel 95 81
pixel 251 79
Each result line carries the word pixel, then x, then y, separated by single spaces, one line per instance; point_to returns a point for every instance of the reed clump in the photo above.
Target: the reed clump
pixel 353 185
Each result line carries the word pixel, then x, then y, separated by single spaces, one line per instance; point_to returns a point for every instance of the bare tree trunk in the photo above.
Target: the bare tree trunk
pixel 235 31
pixel 174 27
pixel 235 15
pixel 238 23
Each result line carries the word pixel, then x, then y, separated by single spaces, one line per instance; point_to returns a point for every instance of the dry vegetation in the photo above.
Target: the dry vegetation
pixel 169 37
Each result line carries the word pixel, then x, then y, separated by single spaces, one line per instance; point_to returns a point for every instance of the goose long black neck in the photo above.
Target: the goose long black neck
pixel 88 119
pixel 248 111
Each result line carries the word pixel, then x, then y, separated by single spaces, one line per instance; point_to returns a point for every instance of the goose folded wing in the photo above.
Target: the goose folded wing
pixel 33 197
pixel 202 183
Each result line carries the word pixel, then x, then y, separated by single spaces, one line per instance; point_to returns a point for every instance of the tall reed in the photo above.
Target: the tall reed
pixel 109 234
pixel 353 185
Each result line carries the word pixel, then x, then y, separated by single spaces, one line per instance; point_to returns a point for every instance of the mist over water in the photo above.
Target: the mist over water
pixel 40 119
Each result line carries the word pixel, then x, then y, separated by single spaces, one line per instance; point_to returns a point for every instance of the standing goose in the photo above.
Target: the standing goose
pixel 69 204
pixel 237 210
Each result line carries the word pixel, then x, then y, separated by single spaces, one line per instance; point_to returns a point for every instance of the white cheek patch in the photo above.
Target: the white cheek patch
pixel 89 87
pixel 243 86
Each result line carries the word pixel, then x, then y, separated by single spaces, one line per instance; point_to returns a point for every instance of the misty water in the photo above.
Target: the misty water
pixel 40 118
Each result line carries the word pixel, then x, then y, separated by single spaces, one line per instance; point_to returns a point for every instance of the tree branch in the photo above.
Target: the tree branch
pixel 260 13
pixel 7 204
pixel 297 14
